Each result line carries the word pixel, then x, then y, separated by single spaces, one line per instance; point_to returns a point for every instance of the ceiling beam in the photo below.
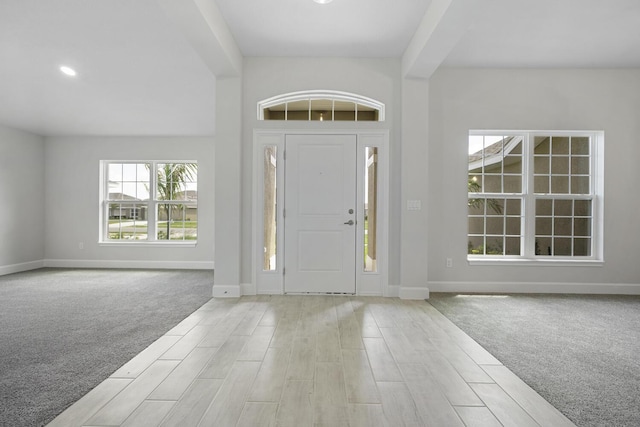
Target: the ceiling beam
pixel 204 27
pixel 443 25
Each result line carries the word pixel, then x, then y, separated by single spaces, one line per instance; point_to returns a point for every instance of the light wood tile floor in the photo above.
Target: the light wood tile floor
pixel 313 361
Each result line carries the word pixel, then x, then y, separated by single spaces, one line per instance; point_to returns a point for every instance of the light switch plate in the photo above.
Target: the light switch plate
pixel 414 205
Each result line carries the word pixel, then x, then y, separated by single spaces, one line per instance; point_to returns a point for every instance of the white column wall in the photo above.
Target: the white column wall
pixel 22 208
pixel 228 201
pixel 415 196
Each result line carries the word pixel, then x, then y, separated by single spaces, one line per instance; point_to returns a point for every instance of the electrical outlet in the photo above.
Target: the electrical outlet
pixel 449 262
pixel 81 245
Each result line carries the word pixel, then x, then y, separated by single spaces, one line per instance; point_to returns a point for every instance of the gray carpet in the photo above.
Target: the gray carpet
pixel 581 353
pixel 63 331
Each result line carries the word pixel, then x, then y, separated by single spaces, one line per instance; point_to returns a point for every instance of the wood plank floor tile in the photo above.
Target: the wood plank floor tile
pixel 284 333
pixel 381 313
pixel 222 361
pixel 188 411
pixel 368 325
pixel 248 324
pixel 432 404
pixel 307 325
pixel 303 358
pixel 258 414
pixel 417 337
pixel 383 365
pixel 477 416
pixel 466 367
pixel 330 398
pixel 213 317
pixel 321 361
pixel 188 342
pixel 226 408
pixel 123 404
pixel 350 334
pixel 506 410
pixel 271 378
pixel 358 378
pixel 296 406
pixel 401 348
pixel 455 388
pixel 183 375
pixel 188 323
pixel 541 411
pixel 398 405
pixel 149 414
pixel 146 357
pixel 328 346
pixel 83 409
pixel 258 344
pixel 367 415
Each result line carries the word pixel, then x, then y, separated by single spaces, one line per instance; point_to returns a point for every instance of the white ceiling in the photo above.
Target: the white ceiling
pixel 552 34
pixel 141 74
pixel 137 75
pixel 355 28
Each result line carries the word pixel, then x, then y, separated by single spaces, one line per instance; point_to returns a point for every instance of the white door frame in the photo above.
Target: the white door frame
pixel 367 283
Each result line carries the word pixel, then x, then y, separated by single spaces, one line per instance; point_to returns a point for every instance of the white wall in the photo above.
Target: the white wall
pixel 374 78
pixel 463 99
pixel 22 207
pixel 72 201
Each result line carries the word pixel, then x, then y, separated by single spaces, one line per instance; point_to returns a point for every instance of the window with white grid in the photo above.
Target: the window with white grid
pixel 149 201
pixel 535 195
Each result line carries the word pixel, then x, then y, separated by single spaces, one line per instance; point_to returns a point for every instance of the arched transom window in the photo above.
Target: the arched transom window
pixel 321 105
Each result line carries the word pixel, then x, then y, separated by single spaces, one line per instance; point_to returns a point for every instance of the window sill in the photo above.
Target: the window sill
pixel 536 262
pixel 155 244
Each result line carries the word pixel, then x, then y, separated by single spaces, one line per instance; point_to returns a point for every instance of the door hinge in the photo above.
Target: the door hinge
pixel 284 154
pixel 283 269
pixel 284 213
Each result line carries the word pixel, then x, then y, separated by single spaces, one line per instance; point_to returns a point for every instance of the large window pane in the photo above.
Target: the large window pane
pixel 127 221
pixel 563 227
pixel 177 221
pixel 500 221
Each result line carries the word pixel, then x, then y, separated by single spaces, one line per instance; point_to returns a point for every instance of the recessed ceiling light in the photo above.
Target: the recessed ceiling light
pixel 323 1
pixel 68 71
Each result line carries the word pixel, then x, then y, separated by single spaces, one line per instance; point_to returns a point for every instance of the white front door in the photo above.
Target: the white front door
pixel 320 216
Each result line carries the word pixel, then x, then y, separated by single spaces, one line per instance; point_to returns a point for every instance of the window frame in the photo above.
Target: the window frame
pixel 528 233
pixel 151 204
pixel 310 96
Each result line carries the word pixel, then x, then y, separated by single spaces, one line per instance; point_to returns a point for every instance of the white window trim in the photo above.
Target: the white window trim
pixel 151 204
pixel 311 95
pixel 528 258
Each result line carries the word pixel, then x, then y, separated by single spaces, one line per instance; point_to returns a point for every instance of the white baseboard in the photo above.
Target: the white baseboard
pixel 537 287
pixel 23 266
pixel 392 291
pixel 98 263
pixel 413 293
pixel 247 289
pixel 226 291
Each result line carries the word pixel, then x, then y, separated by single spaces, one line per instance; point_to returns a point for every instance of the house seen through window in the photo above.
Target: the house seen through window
pixel 533 195
pixel 150 201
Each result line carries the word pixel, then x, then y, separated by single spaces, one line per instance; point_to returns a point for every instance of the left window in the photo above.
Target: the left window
pixel 150 201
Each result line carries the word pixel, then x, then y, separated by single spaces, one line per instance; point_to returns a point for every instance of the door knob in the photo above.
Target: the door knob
pixel 350 222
